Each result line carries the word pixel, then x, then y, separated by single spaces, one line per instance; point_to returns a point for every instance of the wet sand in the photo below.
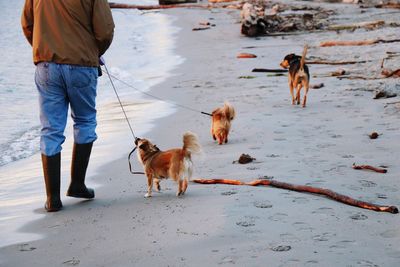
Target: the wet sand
pixel 216 225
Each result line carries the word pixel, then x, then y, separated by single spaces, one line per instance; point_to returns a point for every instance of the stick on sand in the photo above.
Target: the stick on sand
pixel 304 188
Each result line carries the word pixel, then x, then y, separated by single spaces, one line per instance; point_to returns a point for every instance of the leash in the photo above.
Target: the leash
pixel 110 76
pixel 126 117
pixel 156 97
pixel 129 162
pixel 119 100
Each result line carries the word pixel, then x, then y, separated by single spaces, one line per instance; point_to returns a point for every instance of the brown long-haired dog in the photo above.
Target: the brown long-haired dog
pixel 174 163
pixel 299 76
pixel 221 122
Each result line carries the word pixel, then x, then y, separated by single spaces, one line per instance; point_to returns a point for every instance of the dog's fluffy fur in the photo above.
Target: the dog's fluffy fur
pixel 221 122
pixel 299 75
pixel 174 163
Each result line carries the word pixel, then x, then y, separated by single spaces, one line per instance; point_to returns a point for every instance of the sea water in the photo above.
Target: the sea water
pixel 141 55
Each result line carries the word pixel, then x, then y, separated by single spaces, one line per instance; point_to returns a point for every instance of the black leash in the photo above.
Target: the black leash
pixel 127 120
pixel 129 161
pixel 156 97
pixel 119 100
pixel 126 117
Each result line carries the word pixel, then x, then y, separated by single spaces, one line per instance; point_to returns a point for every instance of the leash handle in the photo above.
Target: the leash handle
pixel 129 161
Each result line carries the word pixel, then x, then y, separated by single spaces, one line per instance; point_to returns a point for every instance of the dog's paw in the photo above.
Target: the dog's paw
pixel 147 195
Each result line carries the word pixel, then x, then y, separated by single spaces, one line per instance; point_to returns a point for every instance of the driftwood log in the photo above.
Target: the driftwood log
pixel 368 25
pixel 304 188
pixel 369 167
pixel 388 5
pixel 270 70
pixel 252 19
pixel 357 43
pixel 152 7
pixel 325 62
pixel 246 55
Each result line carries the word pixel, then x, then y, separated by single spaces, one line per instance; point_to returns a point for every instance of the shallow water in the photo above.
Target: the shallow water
pixel 141 55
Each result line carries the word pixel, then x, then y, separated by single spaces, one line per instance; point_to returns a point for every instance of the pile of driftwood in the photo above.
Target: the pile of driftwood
pixel 258 19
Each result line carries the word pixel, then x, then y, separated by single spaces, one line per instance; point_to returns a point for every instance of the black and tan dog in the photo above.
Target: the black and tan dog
pixel 299 75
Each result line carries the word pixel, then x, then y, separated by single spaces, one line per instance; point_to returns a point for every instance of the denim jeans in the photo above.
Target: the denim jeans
pixel 61 86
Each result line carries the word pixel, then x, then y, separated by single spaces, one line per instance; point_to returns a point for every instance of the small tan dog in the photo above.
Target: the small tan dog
pixel 174 163
pixel 221 122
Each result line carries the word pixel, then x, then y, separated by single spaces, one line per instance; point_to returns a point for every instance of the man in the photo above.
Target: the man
pixel 67 38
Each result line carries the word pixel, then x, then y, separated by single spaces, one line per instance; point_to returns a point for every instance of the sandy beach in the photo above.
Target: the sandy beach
pixel 228 225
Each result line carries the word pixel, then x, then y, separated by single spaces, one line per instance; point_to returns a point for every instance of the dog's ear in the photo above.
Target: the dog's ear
pixel 290 57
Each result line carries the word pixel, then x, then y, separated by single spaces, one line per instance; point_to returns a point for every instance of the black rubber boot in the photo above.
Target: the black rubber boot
pixel 80 161
pixel 51 171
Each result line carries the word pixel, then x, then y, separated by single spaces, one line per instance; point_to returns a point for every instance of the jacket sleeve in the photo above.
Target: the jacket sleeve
pixel 103 25
pixel 27 20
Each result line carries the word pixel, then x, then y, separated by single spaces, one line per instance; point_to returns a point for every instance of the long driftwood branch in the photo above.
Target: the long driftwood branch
pixel 388 5
pixel 304 188
pixel 325 62
pixel 357 43
pixel 368 25
pixel 369 167
pixel 151 7
pixel 270 70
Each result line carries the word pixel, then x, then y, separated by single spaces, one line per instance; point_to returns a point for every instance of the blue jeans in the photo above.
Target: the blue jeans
pixel 61 86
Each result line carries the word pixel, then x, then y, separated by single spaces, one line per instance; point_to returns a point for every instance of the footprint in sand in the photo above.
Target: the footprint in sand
pixel 226 260
pixel 353 187
pixel 300 200
pixel 25 247
pixel 247 221
pixel 359 217
pixel 262 205
pixel 382 196
pixel 273 156
pixel 278 217
pixel 324 210
pixel 228 193
pixel 366 183
pixel 312 263
pixel 252 168
pixel 366 263
pixel 323 237
pixel 344 244
pixel 302 226
pixel 281 248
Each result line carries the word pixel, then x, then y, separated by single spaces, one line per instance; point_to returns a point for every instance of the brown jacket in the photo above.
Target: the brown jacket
pixel 75 32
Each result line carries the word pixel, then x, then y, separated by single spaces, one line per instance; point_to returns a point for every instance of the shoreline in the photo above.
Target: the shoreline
pixel 218 224
pixel 22 182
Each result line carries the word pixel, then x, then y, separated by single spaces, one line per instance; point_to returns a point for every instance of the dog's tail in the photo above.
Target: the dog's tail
pixel 191 143
pixel 229 111
pixel 303 57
